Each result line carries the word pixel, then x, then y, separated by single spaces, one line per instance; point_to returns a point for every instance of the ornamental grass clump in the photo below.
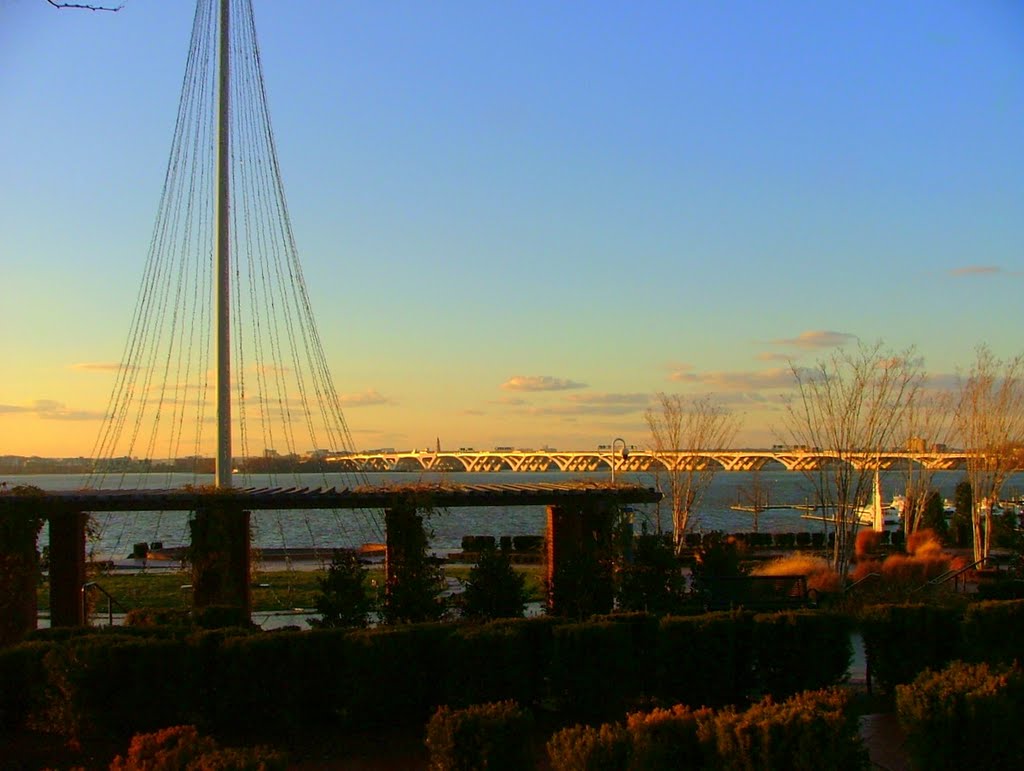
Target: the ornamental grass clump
pixel 821 578
pixel 589 748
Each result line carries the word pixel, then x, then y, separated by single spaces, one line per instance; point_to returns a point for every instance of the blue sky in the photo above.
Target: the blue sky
pixel 521 220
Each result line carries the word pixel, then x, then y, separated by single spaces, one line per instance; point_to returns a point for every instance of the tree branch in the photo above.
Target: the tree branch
pixel 85 7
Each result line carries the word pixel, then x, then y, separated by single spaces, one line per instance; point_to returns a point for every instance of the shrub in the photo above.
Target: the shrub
pixel 820 576
pixel 902 640
pixel 22 682
pixel 594 668
pixel 149 618
pixel 585 748
pixel 169 749
pixel 867 543
pixel 812 730
pixel 489 662
pixel 994 631
pixel 343 600
pixel 670 739
pixel 965 716
pixel 800 650
pixel 495 736
pixel 494 589
pixel 705 660
pixel 181 748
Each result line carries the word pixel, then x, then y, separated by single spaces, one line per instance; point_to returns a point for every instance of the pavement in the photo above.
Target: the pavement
pixel 885 741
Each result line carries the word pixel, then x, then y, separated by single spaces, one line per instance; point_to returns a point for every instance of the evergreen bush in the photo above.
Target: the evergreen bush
pixel 902 640
pixel 585 748
pixel 495 736
pixel 964 716
pixel 800 650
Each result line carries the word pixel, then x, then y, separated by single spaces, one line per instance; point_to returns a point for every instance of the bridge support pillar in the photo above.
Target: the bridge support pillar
pixel 221 574
pixel 67 568
pixel 579 559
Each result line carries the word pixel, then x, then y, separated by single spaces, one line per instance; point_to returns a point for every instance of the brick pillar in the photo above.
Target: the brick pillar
pixel 220 560
pixel 579 569
pixel 67 568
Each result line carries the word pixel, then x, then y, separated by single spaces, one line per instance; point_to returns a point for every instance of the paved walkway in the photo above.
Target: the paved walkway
pixel 885 742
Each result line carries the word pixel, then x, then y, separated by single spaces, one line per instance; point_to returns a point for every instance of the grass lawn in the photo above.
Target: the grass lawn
pixel 274 590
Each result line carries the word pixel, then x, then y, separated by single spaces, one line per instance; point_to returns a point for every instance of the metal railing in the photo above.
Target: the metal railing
pixel 862 580
pixel 954 575
pixel 111 602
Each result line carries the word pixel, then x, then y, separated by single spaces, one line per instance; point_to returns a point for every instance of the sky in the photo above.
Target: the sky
pixel 520 221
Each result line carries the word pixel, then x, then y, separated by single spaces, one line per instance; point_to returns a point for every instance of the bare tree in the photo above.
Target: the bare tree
pixel 850 407
pixel 683 431
pixel 990 424
pixel 928 423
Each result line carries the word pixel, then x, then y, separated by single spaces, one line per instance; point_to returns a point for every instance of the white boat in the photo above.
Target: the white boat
pixel 878 516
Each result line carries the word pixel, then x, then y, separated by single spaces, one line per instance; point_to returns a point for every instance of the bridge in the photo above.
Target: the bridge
pixel 578 461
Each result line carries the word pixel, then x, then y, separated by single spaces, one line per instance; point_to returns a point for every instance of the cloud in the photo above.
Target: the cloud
pixel 775 377
pixel 607 399
pixel 368 398
pixel 473 413
pixel 817 338
pixel 509 401
pixel 769 356
pixel 977 270
pixel 540 383
pixel 96 366
pixel 48 409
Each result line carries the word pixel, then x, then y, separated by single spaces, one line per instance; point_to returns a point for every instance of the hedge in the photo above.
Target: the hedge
pixel 964 716
pixel 800 650
pixel 902 640
pixel 994 631
pixel 496 736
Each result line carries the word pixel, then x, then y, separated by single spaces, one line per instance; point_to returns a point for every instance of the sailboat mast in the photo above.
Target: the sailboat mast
pixel 222 263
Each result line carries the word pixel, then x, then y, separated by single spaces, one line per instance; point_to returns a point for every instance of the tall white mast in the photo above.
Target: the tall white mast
pixel 222 267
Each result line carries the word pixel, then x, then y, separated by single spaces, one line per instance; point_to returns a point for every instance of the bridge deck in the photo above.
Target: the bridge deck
pixel 437 495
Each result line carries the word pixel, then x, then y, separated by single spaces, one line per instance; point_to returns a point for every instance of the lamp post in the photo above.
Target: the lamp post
pixel 625 453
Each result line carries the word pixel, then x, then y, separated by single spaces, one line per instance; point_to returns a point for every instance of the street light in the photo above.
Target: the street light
pixel 625 454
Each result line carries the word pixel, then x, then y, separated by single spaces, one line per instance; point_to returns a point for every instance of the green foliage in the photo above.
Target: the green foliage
pixel 810 731
pixel 675 738
pixel 413 589
pixel 583 585
pixel 594 668
pixel 963 503
pixel 112 685
pixel 343 601
pixel 994 631
pixel 495 736
pixel 652 581
pixel 585 748
pixel 22 682
pixel 494 588
pixel 903 640
pixel 934 516
pixel 964 716
pixel 491 662
pixel 800 650
pixel 705 660
pixel 719 556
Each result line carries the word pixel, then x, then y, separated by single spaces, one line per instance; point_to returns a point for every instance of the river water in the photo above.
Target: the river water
pixel 116 532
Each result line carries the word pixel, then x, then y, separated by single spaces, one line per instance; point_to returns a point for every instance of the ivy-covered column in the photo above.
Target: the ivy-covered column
pixel 19 571
pixel 579 564
pixel 67 568
pixel 221 573
pixel 412 582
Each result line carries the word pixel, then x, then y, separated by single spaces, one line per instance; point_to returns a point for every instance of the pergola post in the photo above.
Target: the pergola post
pixel 19 572
pixel 67 568
pixel 221 573
pixel 403 536
pixel 579 558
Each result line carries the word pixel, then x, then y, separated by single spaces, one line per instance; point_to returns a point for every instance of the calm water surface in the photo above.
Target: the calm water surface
pixel 118 531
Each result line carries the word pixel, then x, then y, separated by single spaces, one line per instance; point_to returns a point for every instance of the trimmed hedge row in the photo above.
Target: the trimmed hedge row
pixel 811 730
pixel 110 684
pixel 902 641
pixel 964 716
